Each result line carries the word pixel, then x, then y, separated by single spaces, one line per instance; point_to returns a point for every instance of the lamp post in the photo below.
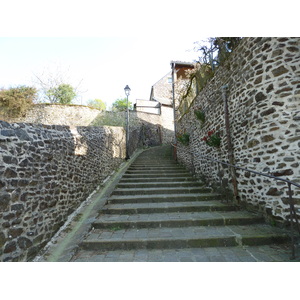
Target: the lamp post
pixel 127 93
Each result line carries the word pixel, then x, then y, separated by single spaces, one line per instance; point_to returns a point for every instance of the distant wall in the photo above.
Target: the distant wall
pixel 54 114
pixel 77 115
pixel 263 78
pixel 46 172
pixel 155 129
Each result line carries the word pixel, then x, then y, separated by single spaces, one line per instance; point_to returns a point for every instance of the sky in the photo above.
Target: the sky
pixel 99 66
pixel 102 46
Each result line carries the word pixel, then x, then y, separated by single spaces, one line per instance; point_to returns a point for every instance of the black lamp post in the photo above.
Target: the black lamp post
pixel 127 93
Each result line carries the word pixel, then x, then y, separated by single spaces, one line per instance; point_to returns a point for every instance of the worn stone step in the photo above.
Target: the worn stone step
pixel 167 207
pixel 157 168
pixel 157 175
pixel 185 237
pixel 160 179
pixel 123 185
pixel 163 198
pixel 182 219
pixel 155 164
pixel 263 253
pixel 160 190
pixel 159 172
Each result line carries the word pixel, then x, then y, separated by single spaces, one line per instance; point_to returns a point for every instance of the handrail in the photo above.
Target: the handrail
pixel 293 213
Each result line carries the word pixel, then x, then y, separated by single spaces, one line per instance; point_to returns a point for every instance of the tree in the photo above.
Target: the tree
pixel 216 50
pixel 121 105
pixel 63 94
pixel 14 102
pixel 97 103
pixel 51 81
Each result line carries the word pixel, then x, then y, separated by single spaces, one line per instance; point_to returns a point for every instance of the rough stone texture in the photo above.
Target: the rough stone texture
pixel 46 172
pixel 263 78
pixel 54 114
pixel 77 115
pixel 154 129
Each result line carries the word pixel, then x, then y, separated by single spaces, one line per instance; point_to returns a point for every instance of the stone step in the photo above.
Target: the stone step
pixel 163 198
pixel 160 190
pixel 137 173
pixel 185 237
pixel 138 185
pixel 160 179
pixel 167 207
pixel 158 168
pixel 175 219
pixel 155 164
pixel 157 175
pixel 263 253
pixel 160 171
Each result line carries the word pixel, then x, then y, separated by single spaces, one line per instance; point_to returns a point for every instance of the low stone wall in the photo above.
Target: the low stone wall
pixel 263 78
pixel 56 114
pixel 153 129
pixel 46 172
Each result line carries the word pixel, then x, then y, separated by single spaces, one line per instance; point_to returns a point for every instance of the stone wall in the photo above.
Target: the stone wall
pixel 46 172
pixel 56 114
pixel 77 115
pixel 263 79
pixel 162 89
pixel 164 121
pixel 154 129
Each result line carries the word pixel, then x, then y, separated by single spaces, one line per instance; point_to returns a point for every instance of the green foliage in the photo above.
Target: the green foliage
pixel 97 103
pixel 109 118
pixel 200 115
pixel 212 139
pixel 121 105
pixel 63 94
pixel 14 102
pixel 183 138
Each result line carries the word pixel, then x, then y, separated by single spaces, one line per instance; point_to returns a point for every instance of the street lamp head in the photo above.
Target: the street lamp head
pixel 127 90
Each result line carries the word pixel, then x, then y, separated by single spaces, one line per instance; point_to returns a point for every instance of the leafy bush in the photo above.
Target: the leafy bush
pixel 63 94
pixel 183 138
pixel 200 115
pixel 97 103
pixel 121 105
pixel 14 102
pixel 109 118
pixel 212 139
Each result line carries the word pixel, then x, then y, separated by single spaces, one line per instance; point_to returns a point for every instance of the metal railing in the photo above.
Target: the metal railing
pixel 293 214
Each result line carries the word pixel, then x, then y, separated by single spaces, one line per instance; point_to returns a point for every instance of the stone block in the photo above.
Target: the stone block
pixel 279 71
pixel 5 199
pixel 267 138
pixel 10 247
pixel 260 97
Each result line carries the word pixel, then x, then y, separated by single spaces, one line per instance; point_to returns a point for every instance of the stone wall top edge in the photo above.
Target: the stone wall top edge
pixel 17 125
pixel 65 105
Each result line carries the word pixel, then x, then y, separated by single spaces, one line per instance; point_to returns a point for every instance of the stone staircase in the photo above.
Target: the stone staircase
pixel 158 204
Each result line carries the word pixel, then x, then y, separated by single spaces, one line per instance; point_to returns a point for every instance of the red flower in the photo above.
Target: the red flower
pixel 204 139
pixel 210 132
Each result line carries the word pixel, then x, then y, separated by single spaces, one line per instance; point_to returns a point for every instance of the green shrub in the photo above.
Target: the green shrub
pixel 183 138
pixel 15 101
pixel 63 94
